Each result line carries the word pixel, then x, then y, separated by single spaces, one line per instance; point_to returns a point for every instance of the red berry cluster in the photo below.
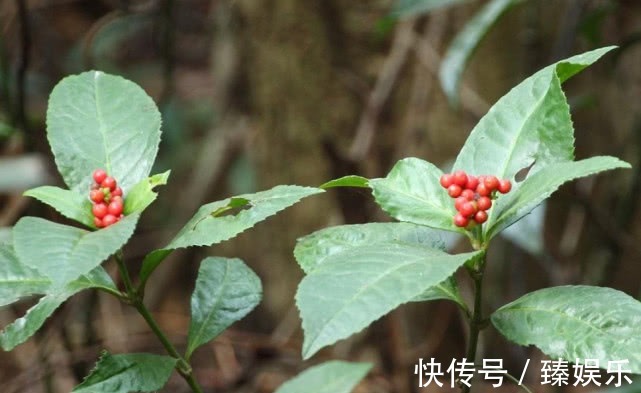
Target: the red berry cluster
pixel 473 195
pixel 107 201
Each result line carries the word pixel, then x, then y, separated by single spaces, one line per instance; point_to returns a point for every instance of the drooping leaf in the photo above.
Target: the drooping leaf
pixel 313 250
pixel 353 288
pixel 68 203
pixel 23 328
pixel 536 188
pixel 529 126
pixel 63 253
pixel 18 280
pixel 465 43
pixel 96 120
pixel 573 322
pixel 133 372
pixel 411 192
pixel 226 290
pixel 413 8
pixel 143 194
pixel 329 377
pixel 347 181
pixel 208 226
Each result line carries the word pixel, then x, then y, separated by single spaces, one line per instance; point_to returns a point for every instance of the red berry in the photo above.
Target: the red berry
pixel 115 208
pixel 115 198
pixel 480 217
pixel 99 210
pixel 472 182
pixel 96 196
pixel 468 194
pixel 504 186
pixel 484 203
pixel 454 190
pixel 468 209
pixel 98 222
pixel 460 220
pixel 99 175
pixel 109 182
pixel 116 192
pixel 109 219
pixel 482 190
pixel 94 186
pixel 460 178
pixel 491 182
pixel 458 203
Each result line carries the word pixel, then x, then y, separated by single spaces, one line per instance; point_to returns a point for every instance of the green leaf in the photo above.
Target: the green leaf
pixel 529 126
pixel 573 322
pixel 226 290
pixel 413 8
pixel 142 194
pixel 96 120
pixel 68 203
pixel 347 181
pixel 313 250
pixel 208 226
pixel 23 328
pixel 63 253
pixel 411 192
pixel 133 372
pixel 465 43
pixel 18 280
pixel 527 232
pixel 329 377
pixel 446 290
pixel 353 288
pixel 536 188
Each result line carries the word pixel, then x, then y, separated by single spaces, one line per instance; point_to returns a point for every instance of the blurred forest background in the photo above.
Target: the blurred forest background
pixel 259 93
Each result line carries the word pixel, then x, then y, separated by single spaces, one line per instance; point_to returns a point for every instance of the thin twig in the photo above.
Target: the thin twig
pixel 403 41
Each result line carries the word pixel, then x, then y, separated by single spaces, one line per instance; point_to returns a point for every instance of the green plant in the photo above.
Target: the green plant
pixel 95 120
pixel 355 274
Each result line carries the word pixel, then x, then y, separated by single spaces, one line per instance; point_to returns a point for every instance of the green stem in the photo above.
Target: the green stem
pixel 476 322
pixel 182 366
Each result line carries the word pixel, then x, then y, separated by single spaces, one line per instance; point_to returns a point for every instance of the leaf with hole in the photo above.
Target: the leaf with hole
pixel 329 377
pixel 209 226
pixel 358 285
pixel 63 253
pixel 573 322
pixel 142 194
pixel 226 290
pixel 133 372
pixel 96 120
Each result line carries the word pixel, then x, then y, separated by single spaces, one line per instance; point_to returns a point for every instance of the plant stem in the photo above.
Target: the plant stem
pixel 182 366
pixel 476 322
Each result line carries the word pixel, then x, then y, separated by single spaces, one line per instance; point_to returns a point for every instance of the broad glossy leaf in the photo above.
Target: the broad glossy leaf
pixel 18 280
pixel 329 377
pixel 68 203
pixel 465 43
pixel 313 250
pixel 23 328
pixel 347 181
pixel 573 322
pixel 413 8
pixel 219 221
pixel 133 372
pixel 143 194
pixel 63 253
pixel 96 120
pixel 529 125
pixel 226 290
pixel 536 188
pixel 446 290
pixel 411 192
pixel 353 288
